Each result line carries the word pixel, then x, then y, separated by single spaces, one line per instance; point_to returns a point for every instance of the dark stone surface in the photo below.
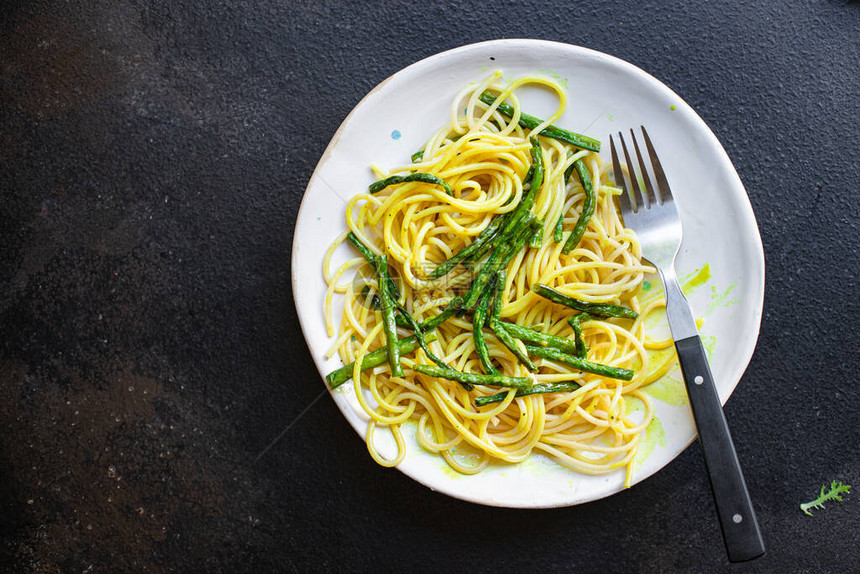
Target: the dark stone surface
pixel 152 161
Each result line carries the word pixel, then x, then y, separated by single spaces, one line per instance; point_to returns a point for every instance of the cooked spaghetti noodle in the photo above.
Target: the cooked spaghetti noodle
pixel 484 157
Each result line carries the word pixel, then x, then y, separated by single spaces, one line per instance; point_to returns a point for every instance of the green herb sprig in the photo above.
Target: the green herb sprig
pixel 835 493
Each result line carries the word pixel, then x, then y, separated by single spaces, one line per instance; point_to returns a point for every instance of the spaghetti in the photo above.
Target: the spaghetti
pixel 465 186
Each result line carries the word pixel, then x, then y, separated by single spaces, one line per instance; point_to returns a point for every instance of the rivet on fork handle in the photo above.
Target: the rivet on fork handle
pixel 737 518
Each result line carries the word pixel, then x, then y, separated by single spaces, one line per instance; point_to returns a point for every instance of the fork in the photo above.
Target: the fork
pixel 653 215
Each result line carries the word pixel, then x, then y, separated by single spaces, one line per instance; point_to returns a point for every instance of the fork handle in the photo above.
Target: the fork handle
pixel 737 518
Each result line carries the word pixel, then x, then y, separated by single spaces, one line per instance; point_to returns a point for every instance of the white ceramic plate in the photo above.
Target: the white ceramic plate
pixel 721 238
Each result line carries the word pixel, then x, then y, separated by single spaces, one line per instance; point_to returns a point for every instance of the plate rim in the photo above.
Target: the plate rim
pixel 757 251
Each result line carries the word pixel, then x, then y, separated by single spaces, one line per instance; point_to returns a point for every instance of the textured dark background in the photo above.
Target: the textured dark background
pixel 152 161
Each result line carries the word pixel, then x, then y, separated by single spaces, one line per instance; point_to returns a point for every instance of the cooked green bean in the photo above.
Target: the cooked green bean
pixel 576 323
pixel 504 337
pixel 368 300
pixel 542 339
pixel 558 234
pixel 433 322
pixel 370 257
pixel 494 380
pixel 450 309
pixel 419 334
pixel 534 186
pixel 531 122
pixel 491 265
pixel 499 330
pixel 506 250
pixel 587 208
pixel 599 309
pixel 466 253
pixel 537 238
pixel 498 293
pixel 537 177
pixel 400 318
pixel 378 186
pixel 581 364
pixel 386 304
pixel 540 388
pixel 567 173
pixel 478 320
pixel 375 358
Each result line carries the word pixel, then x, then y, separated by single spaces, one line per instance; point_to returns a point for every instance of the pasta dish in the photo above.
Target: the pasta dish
pixel 493 295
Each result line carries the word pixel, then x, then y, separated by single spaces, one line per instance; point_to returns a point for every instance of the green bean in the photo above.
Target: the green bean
pixel 370 257
pixel 499 330
pixel 498 292
pixel 534 187
pixel 537 238
pixel 401 317
pixel 491 265
pixel 527 180
pixel 537 177
pixel 540 388
pixel 531 122
pixel 466 253
pixel 576 323
pixel 509 342
pixel 558 234
pixel 567 173
pixel 453 306
pixel 581 364
pixel 388 317
pixel 432 324
pixel 494 380
pixel 478 320
pixel 499 259
pixel 419 334
pixel 428 324
pixel 375 358
pixel 587 208
pixel 372 301
pixel 599 309
pixel 378 186
pixel 542 339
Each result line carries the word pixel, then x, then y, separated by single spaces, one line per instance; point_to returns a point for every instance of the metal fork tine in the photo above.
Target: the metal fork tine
pixel 624 198
pixel 652 199
pixel 659 174
pixel 636 195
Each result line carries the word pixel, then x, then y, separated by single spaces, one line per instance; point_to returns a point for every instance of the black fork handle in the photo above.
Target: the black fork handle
pixel 737 518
